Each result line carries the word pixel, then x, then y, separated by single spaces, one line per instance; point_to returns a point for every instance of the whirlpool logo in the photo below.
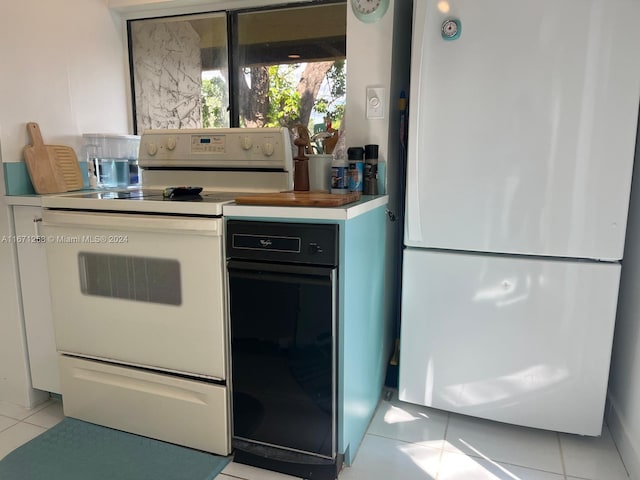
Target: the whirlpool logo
pixel 265 242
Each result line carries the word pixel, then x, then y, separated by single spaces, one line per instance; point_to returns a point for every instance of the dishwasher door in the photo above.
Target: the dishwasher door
pixel 283 354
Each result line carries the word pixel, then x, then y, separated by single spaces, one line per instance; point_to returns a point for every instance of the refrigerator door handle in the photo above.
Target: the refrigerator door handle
pixel 413 224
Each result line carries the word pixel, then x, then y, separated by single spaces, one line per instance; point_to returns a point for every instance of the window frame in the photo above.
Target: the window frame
pixel 233 50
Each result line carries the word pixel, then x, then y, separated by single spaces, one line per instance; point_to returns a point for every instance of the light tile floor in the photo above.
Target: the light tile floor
pixel 409 442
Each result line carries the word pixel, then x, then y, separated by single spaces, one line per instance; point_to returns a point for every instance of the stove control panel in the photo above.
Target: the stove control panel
pixel 233 148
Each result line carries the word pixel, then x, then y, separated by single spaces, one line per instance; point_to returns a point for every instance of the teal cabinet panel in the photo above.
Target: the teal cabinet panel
pixel 363 328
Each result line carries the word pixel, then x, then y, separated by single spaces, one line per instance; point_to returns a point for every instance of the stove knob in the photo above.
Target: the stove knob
pixel 171 143
pixel 152 149
pixel 245 142
pixel 268 149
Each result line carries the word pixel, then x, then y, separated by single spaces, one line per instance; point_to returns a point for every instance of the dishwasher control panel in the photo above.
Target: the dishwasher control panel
pixel 312 244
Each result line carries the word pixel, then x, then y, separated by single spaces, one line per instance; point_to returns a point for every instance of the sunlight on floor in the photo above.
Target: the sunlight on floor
pixel 471 465
pixel 428 460
pixel 453 464
pixel 460 467
pixel 398 415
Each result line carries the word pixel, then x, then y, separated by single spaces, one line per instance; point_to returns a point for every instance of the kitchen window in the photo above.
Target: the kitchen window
pixel 263 67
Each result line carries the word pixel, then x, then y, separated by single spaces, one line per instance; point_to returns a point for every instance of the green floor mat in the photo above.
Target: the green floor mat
pixel 77 450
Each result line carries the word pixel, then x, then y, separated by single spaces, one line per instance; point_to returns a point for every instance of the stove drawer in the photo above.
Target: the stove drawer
pixel 177 410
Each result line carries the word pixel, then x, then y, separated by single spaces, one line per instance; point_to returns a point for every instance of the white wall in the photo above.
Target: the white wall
pixel 623 412
pixel 64 66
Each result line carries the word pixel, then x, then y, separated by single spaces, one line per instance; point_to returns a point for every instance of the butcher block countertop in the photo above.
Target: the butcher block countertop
pixel 299 199
pixel 311 212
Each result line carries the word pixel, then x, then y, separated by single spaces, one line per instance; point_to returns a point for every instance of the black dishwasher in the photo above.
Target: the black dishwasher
pixel 283 297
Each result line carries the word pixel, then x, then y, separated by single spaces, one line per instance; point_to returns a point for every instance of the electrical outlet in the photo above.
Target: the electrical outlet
pixel 375 102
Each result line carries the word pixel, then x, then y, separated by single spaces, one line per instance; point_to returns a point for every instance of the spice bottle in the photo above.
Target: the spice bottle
pixel 339 176
pixel 356 168
pixel 371 169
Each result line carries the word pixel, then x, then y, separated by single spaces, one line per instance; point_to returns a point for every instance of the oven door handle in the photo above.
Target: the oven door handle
pixel 273 270
pixel 123 222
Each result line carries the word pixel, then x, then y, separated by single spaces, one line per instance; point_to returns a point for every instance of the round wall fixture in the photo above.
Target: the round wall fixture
pixel 451 29
pixel 369 11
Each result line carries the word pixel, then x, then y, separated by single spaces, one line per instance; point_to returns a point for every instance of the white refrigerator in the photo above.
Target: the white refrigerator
pixel 522 130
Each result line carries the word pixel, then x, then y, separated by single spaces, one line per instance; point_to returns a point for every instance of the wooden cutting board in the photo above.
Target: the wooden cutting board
pixel 299 199
pixel 41 165
pixel 52 168
pixel 68 165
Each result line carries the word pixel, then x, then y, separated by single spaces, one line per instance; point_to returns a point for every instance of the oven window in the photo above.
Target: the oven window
pixel 143 279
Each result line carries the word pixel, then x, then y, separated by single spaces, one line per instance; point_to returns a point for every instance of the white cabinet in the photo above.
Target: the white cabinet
pixel 36 303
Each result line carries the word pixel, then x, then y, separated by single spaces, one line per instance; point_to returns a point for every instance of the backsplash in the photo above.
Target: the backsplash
pixel 18 182
pixel 16 179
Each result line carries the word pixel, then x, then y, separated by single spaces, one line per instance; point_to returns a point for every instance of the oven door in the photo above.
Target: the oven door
pixel 142 290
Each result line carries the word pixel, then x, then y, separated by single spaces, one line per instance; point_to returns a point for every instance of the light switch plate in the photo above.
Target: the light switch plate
pixel 375 102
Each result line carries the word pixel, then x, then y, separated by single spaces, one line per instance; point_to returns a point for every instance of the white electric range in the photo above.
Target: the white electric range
pixel 138 286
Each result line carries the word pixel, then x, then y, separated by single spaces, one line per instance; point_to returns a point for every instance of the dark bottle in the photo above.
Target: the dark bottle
pixel 370 169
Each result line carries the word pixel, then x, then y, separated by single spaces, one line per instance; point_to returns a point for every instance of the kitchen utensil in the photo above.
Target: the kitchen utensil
pixel 319 138
pixel 61 163
pixel 330 142
pixel 43 170
pixel 299 199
